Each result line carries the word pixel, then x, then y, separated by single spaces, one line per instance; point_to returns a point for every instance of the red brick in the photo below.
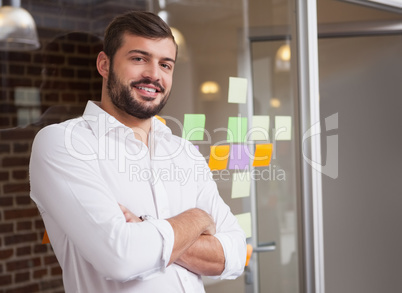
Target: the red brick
pixel 19 56
pixel 6 228
pixel 67 48
pixel 21 147
pixel 5 148
pixel 21 277
pixel 6 253
pixel 68 97
pixel 6 201
pixel 20 213
pixel 84 74
pixel 20 174
pixel 50 260
pixel 52 284
pixel 39 273
pixel 55 59
pixel 23 200
pixel 17 69
pixel 4 176
pixel 39 225
pixel 32 288
pixel 18 134
pixel 16 187
pixel 34 70
pixel 67 73
pixel 76 85
pixel 26 250
pixel 23 264
pixel 5 122
pixel 25 225
pixel 5 280
pixel 40 248
pixel 56 271
pixel 15 161
pixel 20 238
pixel 8 108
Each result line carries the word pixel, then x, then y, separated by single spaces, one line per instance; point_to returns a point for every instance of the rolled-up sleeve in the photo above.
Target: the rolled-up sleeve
pixel 228 230
pixel 73 194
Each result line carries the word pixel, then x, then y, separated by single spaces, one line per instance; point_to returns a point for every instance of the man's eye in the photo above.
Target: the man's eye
pixel 136 59
pixel 167 66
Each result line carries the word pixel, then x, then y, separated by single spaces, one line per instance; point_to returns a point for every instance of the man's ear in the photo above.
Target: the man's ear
pixel 102 64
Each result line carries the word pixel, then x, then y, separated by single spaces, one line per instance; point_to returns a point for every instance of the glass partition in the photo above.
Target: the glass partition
pixel 236 65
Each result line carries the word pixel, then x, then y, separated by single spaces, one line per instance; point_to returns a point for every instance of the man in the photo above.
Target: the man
pixel 109 184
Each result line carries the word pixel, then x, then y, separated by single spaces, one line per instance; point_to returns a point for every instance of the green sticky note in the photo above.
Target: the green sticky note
pixel 237 129
pixel 260 127
pixel 237 90
pixel 194 126
pixel 241 184
pixel 244 221
pixel 283 127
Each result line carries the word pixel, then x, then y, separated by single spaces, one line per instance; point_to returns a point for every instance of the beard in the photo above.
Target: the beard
pixel 122 98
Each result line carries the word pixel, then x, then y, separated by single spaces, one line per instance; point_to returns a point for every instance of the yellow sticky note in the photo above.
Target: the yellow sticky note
pixel 283 127
pixel 45 239
pixel 260 127
pixel 160 119
pixel 237 90
pixel 244 221
pixel 219 156
pixel 241 184
pixel 262 155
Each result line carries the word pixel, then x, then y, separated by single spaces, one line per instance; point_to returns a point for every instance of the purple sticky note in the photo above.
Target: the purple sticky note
pixel 239 157
pixel 197 147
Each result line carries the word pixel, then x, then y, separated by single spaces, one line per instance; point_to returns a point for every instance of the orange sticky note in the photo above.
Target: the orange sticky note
pixel 262 155
pixel 219 156
pixel 249 253
pixel 160 119
pixel 45 239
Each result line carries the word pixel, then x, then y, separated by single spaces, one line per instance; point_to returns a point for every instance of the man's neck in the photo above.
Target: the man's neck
pixel 140 127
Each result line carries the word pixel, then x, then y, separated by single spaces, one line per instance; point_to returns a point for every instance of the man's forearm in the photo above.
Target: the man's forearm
pixel 187 227
pixel 204 257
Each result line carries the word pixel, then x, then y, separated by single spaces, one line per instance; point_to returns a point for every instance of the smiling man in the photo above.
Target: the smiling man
pixel 114 231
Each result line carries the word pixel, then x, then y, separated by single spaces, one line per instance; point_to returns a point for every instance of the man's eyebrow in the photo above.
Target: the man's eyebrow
pixel 145 53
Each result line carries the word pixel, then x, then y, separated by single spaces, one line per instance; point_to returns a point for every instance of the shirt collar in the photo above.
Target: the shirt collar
pixel 101 123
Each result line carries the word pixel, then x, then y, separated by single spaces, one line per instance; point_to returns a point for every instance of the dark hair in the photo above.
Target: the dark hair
pixel 138 23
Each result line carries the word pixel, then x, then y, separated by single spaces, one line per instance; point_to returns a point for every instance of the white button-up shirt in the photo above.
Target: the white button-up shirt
pixel 83 168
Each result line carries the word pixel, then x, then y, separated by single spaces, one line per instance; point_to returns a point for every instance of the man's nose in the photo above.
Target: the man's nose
pixel 152 71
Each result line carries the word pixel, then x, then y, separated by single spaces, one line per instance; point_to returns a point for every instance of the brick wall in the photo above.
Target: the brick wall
pixel 57 80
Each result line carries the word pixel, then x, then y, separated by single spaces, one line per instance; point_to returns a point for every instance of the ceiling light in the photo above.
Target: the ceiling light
pixel 17 29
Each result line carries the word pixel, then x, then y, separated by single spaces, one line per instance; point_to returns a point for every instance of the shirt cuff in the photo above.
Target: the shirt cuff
pixel 166 230
pixel 234 263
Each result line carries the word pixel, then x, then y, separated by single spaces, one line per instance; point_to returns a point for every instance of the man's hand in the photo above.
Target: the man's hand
pixel 187 227
pixel 130 217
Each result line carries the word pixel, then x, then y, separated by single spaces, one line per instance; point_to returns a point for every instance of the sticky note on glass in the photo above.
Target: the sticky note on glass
pixel 260 127
pixel 194 126
pixel 283 127
pixel 218 157
pixel 239 158
pixel 237 90
pixel 244 221
pixel 241 183
pixel 262 154
pixel 160 119
pixel 237 129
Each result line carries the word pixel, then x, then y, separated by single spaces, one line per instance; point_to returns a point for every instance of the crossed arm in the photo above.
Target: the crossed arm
pixel 195 247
